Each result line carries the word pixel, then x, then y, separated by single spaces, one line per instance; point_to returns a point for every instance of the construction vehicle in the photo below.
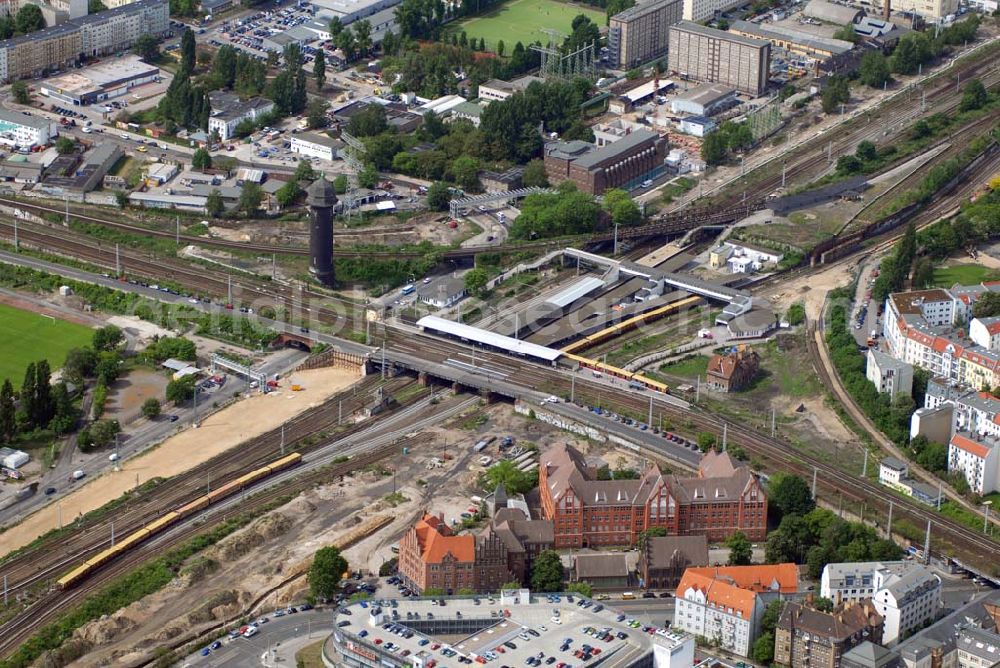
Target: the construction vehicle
pixel 297 388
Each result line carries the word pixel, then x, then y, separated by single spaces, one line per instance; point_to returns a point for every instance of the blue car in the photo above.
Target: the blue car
pixel 216 645
pixel 206 652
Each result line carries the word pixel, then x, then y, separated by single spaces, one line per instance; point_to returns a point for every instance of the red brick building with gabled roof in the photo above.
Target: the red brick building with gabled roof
pixel 586 512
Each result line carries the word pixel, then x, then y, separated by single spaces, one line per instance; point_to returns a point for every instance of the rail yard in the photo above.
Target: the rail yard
pixel 557 353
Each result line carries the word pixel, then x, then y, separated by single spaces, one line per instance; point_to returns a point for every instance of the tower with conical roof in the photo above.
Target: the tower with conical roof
pixel 321 198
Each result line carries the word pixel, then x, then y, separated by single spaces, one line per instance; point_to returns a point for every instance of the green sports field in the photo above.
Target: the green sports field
pixel 27 337
pixel 523 21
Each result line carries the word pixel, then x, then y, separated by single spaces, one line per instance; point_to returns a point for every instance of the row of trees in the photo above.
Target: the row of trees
pixel 891 415
pixel 355 40
pixel 38 404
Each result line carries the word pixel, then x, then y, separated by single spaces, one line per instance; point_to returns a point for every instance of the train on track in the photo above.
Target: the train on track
pixel 160 524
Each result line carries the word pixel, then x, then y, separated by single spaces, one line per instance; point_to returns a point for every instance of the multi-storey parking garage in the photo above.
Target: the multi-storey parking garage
pixel 511 630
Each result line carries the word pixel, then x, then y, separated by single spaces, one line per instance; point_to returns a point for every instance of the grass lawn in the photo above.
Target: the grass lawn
pixel 691 368
pixel 523 21
pixel 963 274
pixel 27 337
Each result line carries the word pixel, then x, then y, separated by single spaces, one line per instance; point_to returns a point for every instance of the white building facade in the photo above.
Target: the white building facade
pixel 314 145
pixel 977 458
pixel 985 332
pixel 905 593
pixel 735 628
pixel 23 131
pixel 889 375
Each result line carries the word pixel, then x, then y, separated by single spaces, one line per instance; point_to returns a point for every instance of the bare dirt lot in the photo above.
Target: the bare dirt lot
pixel 218 433
pixel 128 393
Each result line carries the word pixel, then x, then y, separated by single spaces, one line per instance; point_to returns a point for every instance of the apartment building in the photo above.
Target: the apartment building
pixel 623 164
pixel 932 10
pixel 725 604
pixel 905 593
pixel 100 34
pixel 985 332
pixel 641 33
pixel 888 374
pixel 808 638
pixel 587 512
pixel 715 56
pixel 977 458
pixel 966 638
pixel 919 329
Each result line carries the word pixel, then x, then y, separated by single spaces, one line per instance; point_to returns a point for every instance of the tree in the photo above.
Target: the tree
pixel 106 338
pixel 146 47
pixel 201 159
pixel 475 281
pixel 336 27
pixel 94 6
pixel 514 481
pixel 304 172
pixel 103 432
pixel 65 145
pixel 368 122
pixel 108 367
pixel 363 36
pixel 847 33
pixel 8 421
pixel 789 495
pixel 974 96
pixel 215 206
pixel 288 193
pixel 64 414
pixel 27 395
pixel 250 198
pixel 21 93
pixel 823 604
pixel 547 572
pixel 866 151
pixel 339 183
pixel 327 570
pixel 705 441
pixel 923 272
pixel 874 69
pixel 151 408
pixel 623 210
pixel 43 407
pixel 582 588
pixel 534 175
pixel 438 196
pixel 188 50
pixel 987 306
pixel 368 176
pixel 319 69
pixel 934 457
pixel 836 93
pixel 713 148
pixel 345 42
pixel 388 567
pixel 79 364
pixel 180 390
pixel 740 549
pixel 763 648
pixel 29 19
pixel 849 164
pixel 465 170
pixel 501 47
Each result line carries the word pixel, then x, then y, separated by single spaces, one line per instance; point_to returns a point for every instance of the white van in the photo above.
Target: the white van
pixel 76 475
pixel 113 457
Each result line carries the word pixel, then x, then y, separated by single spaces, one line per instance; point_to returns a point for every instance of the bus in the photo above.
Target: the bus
pixel 408 289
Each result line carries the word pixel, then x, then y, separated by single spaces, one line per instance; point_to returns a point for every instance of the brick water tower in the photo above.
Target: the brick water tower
pixel 321 199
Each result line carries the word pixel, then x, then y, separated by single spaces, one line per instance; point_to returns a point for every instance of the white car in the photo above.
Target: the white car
pixel 250 632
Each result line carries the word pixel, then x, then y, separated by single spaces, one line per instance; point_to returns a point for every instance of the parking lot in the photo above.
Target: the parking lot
pixel 250 33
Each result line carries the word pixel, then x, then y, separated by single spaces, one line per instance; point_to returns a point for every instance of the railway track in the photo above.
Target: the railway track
pixel 817 156
pixel 48 557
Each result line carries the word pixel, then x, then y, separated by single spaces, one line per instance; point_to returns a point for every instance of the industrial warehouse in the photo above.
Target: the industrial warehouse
pixel 104 81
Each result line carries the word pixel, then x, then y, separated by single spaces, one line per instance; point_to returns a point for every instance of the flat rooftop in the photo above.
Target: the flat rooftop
pixel 103 74
pixel 476 626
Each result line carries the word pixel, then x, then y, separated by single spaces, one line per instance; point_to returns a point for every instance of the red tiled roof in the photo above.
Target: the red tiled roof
pixel 970 446
pixel 718 593
pixel 766 578
pixel 436 541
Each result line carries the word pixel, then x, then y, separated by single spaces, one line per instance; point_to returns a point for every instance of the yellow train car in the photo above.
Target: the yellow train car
pixel 628 324
pixel 161 523
pixel 285 462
